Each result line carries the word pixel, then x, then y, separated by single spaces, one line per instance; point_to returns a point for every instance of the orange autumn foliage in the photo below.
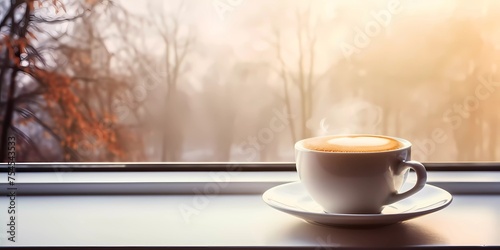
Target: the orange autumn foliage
pixel 75 126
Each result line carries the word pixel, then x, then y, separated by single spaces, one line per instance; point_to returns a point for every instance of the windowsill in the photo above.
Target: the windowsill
pixel 456 182
pixel 235 216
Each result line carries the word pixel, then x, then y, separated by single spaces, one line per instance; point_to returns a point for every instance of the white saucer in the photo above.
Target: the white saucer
pixel 292 198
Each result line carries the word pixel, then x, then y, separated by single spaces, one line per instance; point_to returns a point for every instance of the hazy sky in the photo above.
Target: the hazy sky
pixel 234 42
pixel 243 32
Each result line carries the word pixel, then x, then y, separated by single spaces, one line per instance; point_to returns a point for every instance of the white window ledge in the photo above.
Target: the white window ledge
pixel 148 213
pixel 466 182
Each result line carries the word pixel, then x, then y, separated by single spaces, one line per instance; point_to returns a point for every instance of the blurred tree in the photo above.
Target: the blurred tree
pixel 177 41
pixel 110 81
pixel 37 92
pixel 299 82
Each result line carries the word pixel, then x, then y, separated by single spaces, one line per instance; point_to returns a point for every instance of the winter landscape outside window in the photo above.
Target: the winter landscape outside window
pixel 241 81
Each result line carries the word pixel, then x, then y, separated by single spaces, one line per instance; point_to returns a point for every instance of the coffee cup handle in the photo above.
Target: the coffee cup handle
pixel 421 180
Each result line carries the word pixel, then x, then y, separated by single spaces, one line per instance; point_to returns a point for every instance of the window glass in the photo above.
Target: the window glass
pixel 241 80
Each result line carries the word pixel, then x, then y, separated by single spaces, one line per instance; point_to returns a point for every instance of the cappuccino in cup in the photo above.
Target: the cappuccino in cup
pixel 352 144
pixel 356 174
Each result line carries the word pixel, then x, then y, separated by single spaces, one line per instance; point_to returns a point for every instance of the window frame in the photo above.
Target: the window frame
pixel 190 178
pixel 213 166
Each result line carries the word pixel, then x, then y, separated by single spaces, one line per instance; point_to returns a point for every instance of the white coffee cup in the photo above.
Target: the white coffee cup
pixel 357 182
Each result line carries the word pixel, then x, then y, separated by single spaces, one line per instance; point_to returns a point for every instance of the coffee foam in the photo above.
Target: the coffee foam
pixel 352 144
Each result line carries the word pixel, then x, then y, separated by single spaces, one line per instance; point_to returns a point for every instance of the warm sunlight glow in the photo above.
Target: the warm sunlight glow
pixel 205 80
